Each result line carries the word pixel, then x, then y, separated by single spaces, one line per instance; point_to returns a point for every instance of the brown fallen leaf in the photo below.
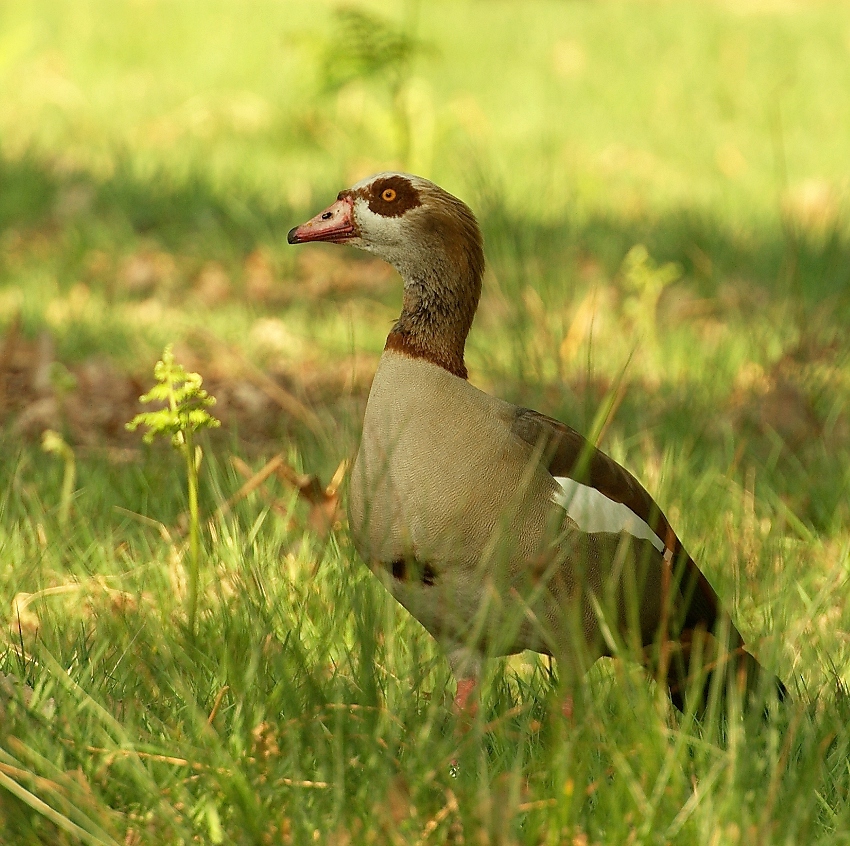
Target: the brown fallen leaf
pixel 7 352
pixel 325 506
pixel 253 482
pixel 147 271
pixel 259 276
pixel 212 287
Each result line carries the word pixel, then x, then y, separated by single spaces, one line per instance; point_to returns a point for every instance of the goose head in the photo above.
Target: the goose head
pixel 406 220
pixel 432 239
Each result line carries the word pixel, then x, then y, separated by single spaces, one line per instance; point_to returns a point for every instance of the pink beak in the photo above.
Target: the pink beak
pixel 335 224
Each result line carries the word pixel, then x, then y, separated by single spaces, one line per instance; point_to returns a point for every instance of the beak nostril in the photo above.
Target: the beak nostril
pixel 335 225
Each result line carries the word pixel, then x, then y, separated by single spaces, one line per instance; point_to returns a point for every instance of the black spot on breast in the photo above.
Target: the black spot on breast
pixel 401 571
pixel 406 196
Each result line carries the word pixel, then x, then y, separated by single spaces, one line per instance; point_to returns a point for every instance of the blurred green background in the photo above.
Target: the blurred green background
pixel 664 190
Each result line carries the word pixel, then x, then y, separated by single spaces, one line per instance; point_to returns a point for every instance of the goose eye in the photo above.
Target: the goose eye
pixel 388 195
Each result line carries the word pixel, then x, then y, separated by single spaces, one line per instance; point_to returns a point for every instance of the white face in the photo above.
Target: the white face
pixel 385 206
pixel 376 230
pixel 383 236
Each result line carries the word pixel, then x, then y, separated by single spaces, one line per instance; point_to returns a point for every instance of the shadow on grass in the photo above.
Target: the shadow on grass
pixel 35 193
pixel 782 259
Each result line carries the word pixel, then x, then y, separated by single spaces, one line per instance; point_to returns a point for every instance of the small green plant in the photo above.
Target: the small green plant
pixel 52 441
pixel 645 281
pixel 184 414
pixel 368 47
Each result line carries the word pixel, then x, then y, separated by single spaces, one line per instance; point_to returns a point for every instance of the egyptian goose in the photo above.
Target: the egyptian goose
pixel 498 528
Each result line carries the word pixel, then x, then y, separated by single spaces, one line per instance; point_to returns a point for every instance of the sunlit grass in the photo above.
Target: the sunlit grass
pixel 617 106
pixel 310 701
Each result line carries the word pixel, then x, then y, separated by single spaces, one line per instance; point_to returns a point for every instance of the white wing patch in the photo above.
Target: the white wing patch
pixel 592 511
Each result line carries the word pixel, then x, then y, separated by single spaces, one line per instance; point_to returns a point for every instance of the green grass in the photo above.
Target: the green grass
pixel 153 156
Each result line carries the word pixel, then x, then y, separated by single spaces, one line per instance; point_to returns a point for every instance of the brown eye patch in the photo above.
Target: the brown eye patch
pixel 392 196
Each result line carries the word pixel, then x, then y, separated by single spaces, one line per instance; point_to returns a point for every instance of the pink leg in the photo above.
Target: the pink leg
pixel 567 707
pixel 462 703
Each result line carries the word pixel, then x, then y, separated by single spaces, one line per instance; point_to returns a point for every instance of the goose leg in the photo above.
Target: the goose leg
pixel 466 668
pixel 465 702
